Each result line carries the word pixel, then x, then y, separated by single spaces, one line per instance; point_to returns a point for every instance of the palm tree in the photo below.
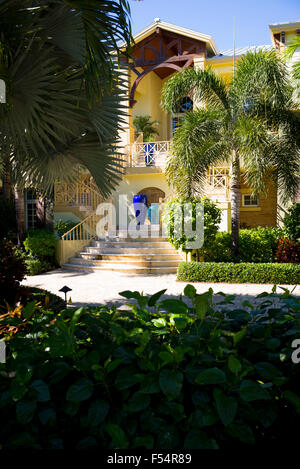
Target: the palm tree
pixel 248 123
pixel 65 96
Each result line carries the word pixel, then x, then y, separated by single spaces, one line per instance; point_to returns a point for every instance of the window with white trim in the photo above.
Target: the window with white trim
pixel 250 200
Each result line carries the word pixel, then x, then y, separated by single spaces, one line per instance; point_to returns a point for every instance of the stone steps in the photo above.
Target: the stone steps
pixel 136 256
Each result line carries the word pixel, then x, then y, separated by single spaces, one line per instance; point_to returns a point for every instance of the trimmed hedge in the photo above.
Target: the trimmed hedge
pixel 239 273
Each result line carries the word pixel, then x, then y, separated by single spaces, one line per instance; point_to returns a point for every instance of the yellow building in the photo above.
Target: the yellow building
pixel 159 51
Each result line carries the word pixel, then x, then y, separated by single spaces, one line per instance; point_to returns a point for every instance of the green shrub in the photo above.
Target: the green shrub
pixel 12 271
pixel 212 218
pixel 239 272
pixel 61 227
pixel 255 245
pixel 35 266
pixel 167 374
pixel 41 244
pixel 292 222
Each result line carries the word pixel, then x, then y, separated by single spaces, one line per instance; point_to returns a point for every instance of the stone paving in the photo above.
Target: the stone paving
pixel 103 287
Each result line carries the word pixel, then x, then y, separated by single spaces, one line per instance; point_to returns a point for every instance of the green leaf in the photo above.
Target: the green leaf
pixel 197 439
pixel 202 306
pixel 153 299
pixel 294 399
pixel 234 364
pixel 86 443
pixel 28 310
pixel 97 413
pixel 180 323
pixel 211 376
pixel 75 318
pixel 138 402
pixel 160 322
pixel 125 379
pixel 47 416
pixel 81 390
pixel 144 442
pixel 253 391
pixel 130 294
pixel 173 306
pixel 166 357
pixel 267 371
pixel 25 411
pixel 242 432
pixel 42 389
pixel 238 336
pixel 119 438
pixel 170 382
pixel 226 406
pixel 190 291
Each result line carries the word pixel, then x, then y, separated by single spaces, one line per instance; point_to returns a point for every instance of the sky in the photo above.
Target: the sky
pixel 216 17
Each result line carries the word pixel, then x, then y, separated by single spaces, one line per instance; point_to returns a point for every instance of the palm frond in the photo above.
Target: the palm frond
pixel 203 85
pixel 197 144
pixel 261 82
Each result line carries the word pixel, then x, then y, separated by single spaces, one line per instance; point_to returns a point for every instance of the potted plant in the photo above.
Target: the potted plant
pixel 143 124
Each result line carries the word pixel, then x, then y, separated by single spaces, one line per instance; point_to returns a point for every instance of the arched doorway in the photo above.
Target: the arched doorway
pixel 153 194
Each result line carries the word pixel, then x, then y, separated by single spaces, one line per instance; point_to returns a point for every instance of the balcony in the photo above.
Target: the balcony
pixel 148 155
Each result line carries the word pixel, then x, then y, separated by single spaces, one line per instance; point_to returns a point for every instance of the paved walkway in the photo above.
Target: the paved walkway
pixel 94 288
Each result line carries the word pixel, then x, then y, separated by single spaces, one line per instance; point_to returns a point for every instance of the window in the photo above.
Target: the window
pixel 31 212
pixel 186 105
pixel 250 200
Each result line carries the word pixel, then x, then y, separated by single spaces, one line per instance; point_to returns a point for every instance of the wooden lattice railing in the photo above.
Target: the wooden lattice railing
pixel 78 194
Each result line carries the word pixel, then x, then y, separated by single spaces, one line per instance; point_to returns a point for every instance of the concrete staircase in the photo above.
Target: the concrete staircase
pixel 128 255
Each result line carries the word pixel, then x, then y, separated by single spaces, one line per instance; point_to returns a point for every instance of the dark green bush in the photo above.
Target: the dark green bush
pixel 36 266
pixel 167 374
pixel 12 271
pixel 292 222
pixel 212 219
pixel 41 244
pixel 61 227
pixel 239 272
pixel 255 245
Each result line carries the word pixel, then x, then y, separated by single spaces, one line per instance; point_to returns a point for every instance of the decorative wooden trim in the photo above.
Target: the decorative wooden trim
pixel 135 84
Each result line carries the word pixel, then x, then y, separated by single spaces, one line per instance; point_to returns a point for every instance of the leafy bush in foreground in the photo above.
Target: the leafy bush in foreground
pixel 243 272
pixel 166 374
pixel 12 271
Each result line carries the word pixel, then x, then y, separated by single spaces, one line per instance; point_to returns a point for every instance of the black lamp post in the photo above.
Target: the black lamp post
pixel 65 290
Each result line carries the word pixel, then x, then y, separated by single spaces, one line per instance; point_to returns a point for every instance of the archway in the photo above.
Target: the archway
pixel 153 194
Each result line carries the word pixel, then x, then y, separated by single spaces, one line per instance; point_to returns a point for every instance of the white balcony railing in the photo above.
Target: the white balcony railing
pixel 148 154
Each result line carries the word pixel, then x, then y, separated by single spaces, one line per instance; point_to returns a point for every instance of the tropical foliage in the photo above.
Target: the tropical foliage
pixel 167 374
pixel 174 218
pixel 64 94
pixel 291 222
pixel 144 125
pixel 249 123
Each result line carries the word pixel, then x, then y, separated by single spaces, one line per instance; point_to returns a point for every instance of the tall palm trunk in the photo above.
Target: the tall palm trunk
pixel 20 212
pixel 235 196
pixel 6 180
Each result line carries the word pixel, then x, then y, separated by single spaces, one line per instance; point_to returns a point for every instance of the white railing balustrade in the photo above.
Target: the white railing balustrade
pixel 142 154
